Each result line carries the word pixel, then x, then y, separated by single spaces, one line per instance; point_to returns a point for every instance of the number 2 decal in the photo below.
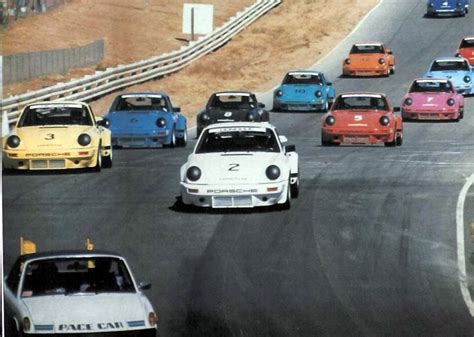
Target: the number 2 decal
pixel 234 167
pixel 49 136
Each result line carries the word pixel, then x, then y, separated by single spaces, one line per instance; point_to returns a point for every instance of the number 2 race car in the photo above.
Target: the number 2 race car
pixel 304 91
pixel 56 136
pixel 362 118
pixel 76 293
pixel 432 99
pixel 369 59
pixel 240 165
pixel 146 120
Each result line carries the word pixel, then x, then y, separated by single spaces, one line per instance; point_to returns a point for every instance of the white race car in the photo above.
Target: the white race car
pixel 240 165
pixel 77 293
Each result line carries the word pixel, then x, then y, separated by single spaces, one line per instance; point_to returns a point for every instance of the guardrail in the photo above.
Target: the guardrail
pixel 112 79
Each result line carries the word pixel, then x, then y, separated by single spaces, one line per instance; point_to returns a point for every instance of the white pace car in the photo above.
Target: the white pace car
pixel 77 293
pixel 240 165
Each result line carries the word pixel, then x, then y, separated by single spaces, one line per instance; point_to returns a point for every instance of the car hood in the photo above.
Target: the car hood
pixel 237 167
pixel 99 312
pixel 361 59
pixel 295 91
pixel 220 114
pixel 430 99
pixel 135 120
pixel 456 76
pixel 51 137
pixel 359 118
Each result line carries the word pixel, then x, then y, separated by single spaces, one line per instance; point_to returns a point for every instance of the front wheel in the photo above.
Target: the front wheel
pixel 295 188
pixel 183 140
pixel 107 161
pixel 392 143
pixel 287 204
pixel 172 142
pixel 399 140
pixel 98 165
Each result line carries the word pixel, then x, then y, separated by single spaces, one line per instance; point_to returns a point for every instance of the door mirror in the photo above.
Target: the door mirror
pixel 290 148
pixel 177 109
pixel 104 122
pixel 397 109
pixel 328 83
pixel 261 105
pixel 144 285
pixel 389 52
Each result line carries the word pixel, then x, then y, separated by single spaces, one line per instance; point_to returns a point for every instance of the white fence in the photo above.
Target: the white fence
pixel 102 83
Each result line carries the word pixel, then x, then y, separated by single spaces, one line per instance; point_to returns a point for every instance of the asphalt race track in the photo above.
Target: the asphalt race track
pixel 368 249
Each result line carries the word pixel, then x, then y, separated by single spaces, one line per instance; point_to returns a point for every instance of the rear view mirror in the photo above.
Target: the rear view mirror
pixel 290 148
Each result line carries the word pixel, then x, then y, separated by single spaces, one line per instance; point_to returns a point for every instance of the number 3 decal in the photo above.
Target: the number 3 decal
pixel 49 136
pixel 234 167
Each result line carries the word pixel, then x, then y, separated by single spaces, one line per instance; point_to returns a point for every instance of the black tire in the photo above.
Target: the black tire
pixel 181 142
pixel 98 165
pixel 461 113
pixel 326 107
pixel 392 71
pixel 287 205
pixel 107 161
pixel 399 141
pixel 295 189
pixel 173 140
pixel 391 144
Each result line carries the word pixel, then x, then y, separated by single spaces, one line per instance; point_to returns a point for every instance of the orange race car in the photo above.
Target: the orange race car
pixel 362 118
pixel 466 49
pixel 369 59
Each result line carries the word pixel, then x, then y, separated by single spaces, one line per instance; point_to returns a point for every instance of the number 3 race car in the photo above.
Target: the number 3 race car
pixel 240 165
pixel 362 118
pixel 77 293
pixel 56 136
pixel 433 99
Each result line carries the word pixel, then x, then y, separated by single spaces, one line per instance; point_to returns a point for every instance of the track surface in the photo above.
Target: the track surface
pixel 368 249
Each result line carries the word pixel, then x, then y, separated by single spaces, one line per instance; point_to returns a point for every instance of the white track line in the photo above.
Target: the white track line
pixel 461 249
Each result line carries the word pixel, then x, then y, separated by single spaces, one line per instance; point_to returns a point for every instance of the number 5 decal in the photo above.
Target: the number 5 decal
pixel 49 136
pixel 234 167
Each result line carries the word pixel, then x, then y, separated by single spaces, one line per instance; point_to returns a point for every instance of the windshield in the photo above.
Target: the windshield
pixel 449 66
pixel 140 103
pixel 361 103
pixel 467 43
pixel 38 115
pixel 303 79
pixel 367 49
pixel 76 275
pixel 431 86
pixel 238 141
pixel 232 101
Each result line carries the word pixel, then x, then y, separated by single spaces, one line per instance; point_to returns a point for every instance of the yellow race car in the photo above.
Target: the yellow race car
pixel 56 136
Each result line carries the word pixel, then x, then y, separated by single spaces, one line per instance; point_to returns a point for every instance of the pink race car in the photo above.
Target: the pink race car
pixel 432 99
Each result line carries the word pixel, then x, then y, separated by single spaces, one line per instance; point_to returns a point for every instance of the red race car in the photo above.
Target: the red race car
pixel 466 49
pixel 433 99
pixel 362 118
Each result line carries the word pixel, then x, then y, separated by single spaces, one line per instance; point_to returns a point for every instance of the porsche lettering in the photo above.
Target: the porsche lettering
pixel 233 191
pixel 51 154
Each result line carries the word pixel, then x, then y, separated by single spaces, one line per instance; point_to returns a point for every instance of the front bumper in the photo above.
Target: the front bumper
pixel 441 114
pixel 52 160
pixel 298 106
pixel 446 12
pixel 375 71
pixel 235 196
pixel 349 136
pixel 141 140
pixel 129 333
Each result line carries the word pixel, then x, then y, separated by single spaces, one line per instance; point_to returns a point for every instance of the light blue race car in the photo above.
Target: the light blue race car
pixel 457 70
pixel 447 8
pixel 304 91
pixel 146 119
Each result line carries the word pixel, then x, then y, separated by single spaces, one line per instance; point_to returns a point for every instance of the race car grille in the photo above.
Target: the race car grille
pixel 135 333
pixel 240 201
pixel 44 164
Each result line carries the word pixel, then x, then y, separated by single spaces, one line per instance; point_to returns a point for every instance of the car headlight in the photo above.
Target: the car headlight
pixel 431 4
pixel 26 324
pixel 347 61
pixel 467 79
pixel 408 101
pixel 318 93
pixel 330 120
pixel 205 117
pixel 272 172
pixel 279 93
pixel 381 61
pixel 384 120
pixel 251 117
pixel 459 4
pixel 13 141
pixel 193 173
pixel 152 319
pixel 84 139
pixel 161 122
pixel 450 102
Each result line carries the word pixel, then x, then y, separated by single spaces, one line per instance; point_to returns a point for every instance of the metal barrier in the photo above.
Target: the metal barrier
pixel 112 79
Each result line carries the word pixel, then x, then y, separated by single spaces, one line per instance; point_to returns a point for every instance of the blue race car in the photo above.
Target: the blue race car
pixel 447 7
pixel 146 119
pixel 457 70
pixel 304 91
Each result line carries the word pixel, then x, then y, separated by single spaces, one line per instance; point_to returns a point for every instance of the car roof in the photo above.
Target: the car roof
pixel 369 44
pixel 140 93
pixel 239 124
pixel 469 38
pixel 432 79
pixel 59 103
pixel 449 59
pixel 364 94
pixel 230 92
pixel 67 254
pixel 297 72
